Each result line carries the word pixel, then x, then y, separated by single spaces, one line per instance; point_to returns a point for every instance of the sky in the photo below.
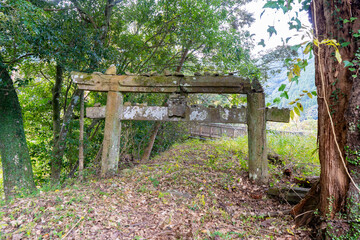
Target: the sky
pixel 279 20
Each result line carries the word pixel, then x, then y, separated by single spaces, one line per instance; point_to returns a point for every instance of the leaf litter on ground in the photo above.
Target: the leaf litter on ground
pixel 196 190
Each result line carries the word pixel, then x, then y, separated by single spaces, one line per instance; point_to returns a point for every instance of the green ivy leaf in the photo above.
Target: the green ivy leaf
pixel 282 87
pixel 284 94
pixel 296 26
pixel 271 30
pixel 344 44
pixel 314 93
pixel 348 64
pixel 262 43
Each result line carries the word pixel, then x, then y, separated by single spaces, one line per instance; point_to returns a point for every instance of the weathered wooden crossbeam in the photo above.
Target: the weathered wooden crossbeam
pixel 165 84
pixel 192 114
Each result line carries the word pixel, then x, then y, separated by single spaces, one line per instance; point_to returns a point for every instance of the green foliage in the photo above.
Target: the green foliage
pixel 299 152
pixel 300 90
pixel 136 36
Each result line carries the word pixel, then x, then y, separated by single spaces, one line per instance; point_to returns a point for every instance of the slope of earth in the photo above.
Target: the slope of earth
pixel 196 190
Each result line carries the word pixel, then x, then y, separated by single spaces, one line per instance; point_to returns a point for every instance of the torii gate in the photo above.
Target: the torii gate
pixel 254 115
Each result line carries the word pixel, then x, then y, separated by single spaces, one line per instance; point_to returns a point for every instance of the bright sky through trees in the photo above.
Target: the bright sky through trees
pixel 279 20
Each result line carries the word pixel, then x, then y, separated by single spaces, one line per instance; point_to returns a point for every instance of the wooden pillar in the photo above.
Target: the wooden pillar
pixel 81 138
pixel 256 121
pixel 111 143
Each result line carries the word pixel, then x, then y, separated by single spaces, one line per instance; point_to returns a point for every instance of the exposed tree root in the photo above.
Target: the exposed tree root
pixel 304 212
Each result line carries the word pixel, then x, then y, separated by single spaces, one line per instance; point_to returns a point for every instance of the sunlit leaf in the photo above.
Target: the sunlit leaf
pixel 316 42
pixel 299 105
pixel 337 55
pixel 309 95
pixel 297 111
pixel 292 115
pixel 308 48
pixel 296 70
pixel 290 76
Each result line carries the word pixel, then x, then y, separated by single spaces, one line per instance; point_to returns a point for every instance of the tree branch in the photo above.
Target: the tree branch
pixel 85 16
pixel 18 58
pixel 57 9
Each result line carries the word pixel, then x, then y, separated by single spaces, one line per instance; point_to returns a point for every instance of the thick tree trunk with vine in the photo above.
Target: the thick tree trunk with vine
pixel 338 95
pixel 15 158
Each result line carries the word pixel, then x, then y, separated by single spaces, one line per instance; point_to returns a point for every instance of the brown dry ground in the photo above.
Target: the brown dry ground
pixel 196 190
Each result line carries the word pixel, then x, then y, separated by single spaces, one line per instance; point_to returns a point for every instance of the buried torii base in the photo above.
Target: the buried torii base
pixel 255 115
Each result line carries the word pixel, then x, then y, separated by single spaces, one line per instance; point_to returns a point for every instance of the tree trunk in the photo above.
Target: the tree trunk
pixel 338 96
pixel 59 147
pixel 56 102
pixel 16 163
pixel 147 151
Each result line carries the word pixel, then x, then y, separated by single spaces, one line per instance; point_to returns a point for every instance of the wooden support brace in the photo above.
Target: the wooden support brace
pixel 258 165
pixel 111 143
